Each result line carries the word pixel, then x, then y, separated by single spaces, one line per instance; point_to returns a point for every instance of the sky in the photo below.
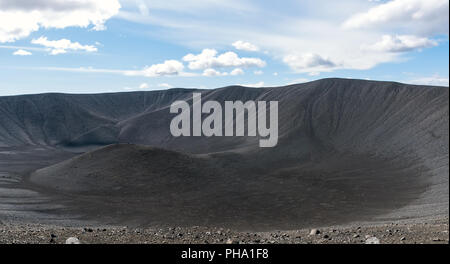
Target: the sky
pixel 96 46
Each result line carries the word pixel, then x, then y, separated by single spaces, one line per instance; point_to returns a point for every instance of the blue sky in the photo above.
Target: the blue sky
pixel 92 46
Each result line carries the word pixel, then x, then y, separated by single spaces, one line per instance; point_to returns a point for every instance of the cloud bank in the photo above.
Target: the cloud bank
pixel 61 46
pixel 19 18
pixel 427 17
pixel 209 58
pixel 401 43
pixel 247 46
pixel 22 52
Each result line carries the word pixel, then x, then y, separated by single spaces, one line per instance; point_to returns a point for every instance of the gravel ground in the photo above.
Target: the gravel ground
pixel 430 232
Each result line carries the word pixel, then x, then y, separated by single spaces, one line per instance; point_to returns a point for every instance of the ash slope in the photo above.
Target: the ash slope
pixel 145 186
pixel 349 150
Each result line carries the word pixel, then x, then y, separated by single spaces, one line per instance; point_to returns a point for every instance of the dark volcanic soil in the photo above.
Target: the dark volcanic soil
pixel 348 151
pixel 144 186
pixel 426 232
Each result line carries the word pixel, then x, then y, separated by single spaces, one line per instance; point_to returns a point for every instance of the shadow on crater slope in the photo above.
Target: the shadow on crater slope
pixel 148 186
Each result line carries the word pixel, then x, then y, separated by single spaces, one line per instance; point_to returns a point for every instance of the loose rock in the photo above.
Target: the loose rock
pixel 372 240
pixel 72 240
pixel 314 232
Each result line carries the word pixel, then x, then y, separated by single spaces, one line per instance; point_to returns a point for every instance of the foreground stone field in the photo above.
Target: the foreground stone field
pixel 427 232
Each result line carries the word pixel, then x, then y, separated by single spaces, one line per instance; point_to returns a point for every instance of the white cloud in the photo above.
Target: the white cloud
pixel 309 62
pixel 143 86
pixel 165 85
pixel 143 8
pixel 58 51
pixel 62 46
pixel 212 72
pixel 19 18
pixel 258 72
pixel 284 32
pixel 430 16
pixel 209 59
pixel 84 70
pixel 237 71
pixel 168 68
pixel 257 85
pixel 28 48
pixel 22 52
pixel 247 46
pixel 431 80
pixel 401 43
pixel 191 6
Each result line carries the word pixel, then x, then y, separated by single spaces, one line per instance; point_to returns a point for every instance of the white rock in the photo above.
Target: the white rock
pixel 314 232
pixel 72 240
pixel 372 240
